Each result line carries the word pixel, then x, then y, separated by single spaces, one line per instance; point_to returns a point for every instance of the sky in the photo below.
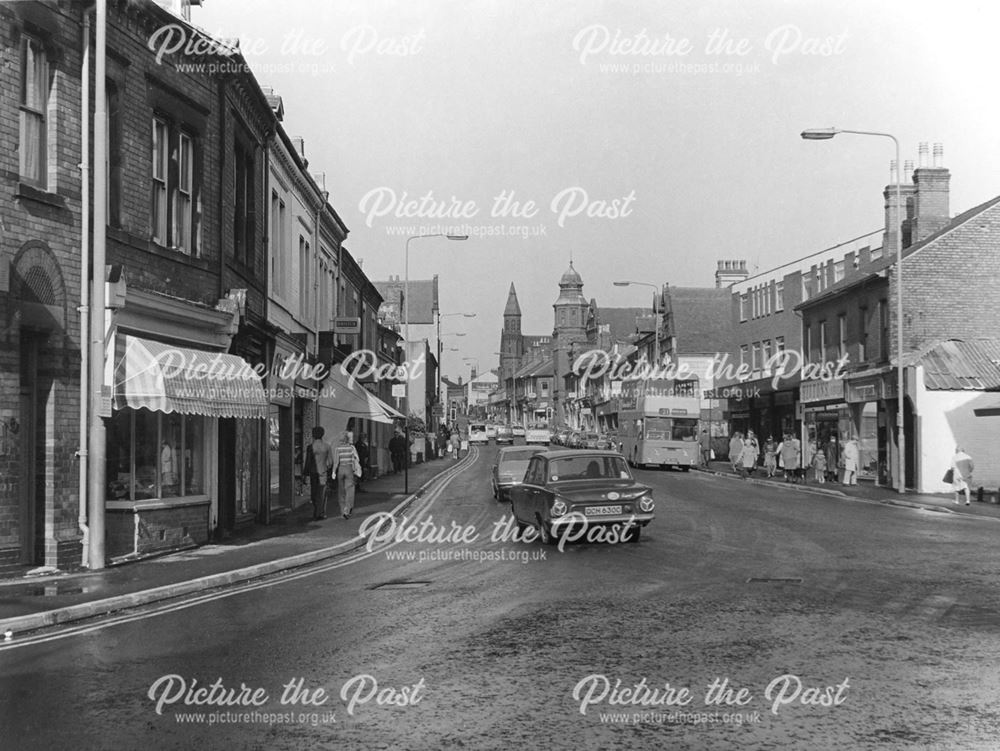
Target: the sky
pixel 644 140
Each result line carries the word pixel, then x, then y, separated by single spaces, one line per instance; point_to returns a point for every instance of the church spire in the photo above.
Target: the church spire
pixel 513 308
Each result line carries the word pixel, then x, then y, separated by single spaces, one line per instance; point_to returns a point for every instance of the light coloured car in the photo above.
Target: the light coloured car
pixel 504 434
pixel 477 433
pixel 508 468
pixel 519 431
pixel 537 434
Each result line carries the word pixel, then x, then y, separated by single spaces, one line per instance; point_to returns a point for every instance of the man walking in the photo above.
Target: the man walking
pixel 364 454
pixel 397 448
pixel 319 462
pixel 706 448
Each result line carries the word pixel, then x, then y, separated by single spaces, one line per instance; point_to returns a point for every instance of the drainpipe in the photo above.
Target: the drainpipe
pixel 82 454
pixel 98 447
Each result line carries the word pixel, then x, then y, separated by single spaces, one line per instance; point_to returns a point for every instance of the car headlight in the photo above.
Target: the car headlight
pixel 558 508
pixel 646 504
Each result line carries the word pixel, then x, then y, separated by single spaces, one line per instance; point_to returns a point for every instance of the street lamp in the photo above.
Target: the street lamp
pixel 824 134
pixel 441 315
pixel 656 314
pixel 406 342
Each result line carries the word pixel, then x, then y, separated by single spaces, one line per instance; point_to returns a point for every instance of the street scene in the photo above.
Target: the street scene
pixel 480 375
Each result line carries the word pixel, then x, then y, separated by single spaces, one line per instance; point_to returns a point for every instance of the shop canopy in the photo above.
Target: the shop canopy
pixel 165 378
pixel 341 398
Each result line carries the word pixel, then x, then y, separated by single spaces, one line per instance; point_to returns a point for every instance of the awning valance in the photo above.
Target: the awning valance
pixel 165 378
pixel 340 399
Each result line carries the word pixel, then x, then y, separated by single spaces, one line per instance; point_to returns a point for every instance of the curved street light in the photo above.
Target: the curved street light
pixel 824 134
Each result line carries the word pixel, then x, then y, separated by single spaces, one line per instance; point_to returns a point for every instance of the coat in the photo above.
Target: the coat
pixel 851 456
pixel 791 453
pixel 749 454
pixel 735 449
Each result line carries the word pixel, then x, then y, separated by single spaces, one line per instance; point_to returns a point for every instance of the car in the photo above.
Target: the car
pixel 581 495
pixel 509 467
pixel 491 431
pixel 604 442
pixel 590 440
pixel 562 437
pixel 519 431
pixel 537 433
pixel 574 440
pixel 504 434
pixel 477 433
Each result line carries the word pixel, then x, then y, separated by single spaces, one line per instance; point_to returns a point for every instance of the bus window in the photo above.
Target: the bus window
pixel 657 428
pixel 685 429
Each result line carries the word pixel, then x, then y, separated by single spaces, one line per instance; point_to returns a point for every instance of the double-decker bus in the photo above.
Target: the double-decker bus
pixel 658 423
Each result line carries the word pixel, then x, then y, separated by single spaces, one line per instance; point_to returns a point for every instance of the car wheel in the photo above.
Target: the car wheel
pixel 685 469
pixel 495 493
pixel 635 533
pixel 544 533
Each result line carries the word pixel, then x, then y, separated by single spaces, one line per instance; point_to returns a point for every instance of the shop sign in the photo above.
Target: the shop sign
pixel 868 390
pixel 347 325
pixel 821 391
pixel 783 398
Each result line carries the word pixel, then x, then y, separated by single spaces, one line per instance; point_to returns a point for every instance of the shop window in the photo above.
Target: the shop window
pixel 248 465
pixel 155 455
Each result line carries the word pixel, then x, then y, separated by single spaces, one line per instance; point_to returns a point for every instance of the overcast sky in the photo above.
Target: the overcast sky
pixel 638 167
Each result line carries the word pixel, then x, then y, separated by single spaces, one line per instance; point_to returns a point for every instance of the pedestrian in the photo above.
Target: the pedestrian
pixel 748 455
pixel 706 448
pixel 347 467
pixel 961 470
pixel 397 450
pixel 851 459
pixel 791 456
pixel 456 443
pixel 819 466
pixel 318 465
pixel 770 456
pixel 832 458
pixel 736 450
pixel 364 455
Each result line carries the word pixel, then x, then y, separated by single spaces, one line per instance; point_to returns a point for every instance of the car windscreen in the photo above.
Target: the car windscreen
pixel 588 468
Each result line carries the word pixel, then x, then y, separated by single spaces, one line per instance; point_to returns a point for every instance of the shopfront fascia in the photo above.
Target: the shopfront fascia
pixel 172 383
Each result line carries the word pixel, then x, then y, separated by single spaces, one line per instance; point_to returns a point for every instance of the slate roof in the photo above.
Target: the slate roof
pixel 536 369
pixel 855 277
pixel 623 322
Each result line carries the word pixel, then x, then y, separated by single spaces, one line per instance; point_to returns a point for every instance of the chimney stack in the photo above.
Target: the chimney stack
pixel 299 144
pixel 894 216
pixel 728 273
pixel 931 204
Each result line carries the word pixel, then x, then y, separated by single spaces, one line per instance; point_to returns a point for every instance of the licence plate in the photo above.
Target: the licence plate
pixel 602 510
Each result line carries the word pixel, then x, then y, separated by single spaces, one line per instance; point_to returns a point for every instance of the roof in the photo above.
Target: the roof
pixel 512 309
pixel 860 276
pixel 536 368
pixel 423 302
pixel 571 277
pixel 533 340
pixel 623 322
pixel 958 365
pixel 701 319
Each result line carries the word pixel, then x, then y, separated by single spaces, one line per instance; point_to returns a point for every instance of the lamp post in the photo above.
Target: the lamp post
pixel 823 134
pixel 656 314
pixel 406 343
pixel 441 315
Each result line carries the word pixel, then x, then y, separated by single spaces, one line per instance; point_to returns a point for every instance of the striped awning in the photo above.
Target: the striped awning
pixel 164 378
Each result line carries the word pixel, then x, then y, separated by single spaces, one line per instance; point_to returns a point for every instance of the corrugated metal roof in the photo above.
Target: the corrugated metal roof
pixel 957 365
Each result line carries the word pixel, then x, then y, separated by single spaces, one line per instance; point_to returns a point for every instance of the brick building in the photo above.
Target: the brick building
pixel 40 284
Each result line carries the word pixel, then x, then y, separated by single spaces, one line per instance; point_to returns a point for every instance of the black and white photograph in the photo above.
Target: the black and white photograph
pixel 495 374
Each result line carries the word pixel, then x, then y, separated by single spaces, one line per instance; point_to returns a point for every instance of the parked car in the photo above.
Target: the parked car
pixel 509 467
pixel 604 442
pixel 504 434
pixel 589 440
pixel 491 431
pixel 537 434
pixel 574 440
pixel 583 495
pixel 519 431
pixel 477 433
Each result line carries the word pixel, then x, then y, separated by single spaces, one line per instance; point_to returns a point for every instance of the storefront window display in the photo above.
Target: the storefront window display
pixel 868 441
pixel 155 455
pixel 248 465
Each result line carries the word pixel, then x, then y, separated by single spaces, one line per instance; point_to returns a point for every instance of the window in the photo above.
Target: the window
pixel 744 354
pixel 862 334
pixel 841 335
pixel 743 307
pixel 876 253
pixel 755 356
pixel 765 353
pixel 182 195
pixel 113 153
pixel 779 296
pixel 155 455
pixel 822 341
pixel 838 271
pixel 304 277
pixel 158 211
pixel 808 343
pixel 174 221
pixel 883 325
pixel 545 388
pixel 807 285
pixel 243 216
pixel 779 344
pixel 279 249
pixel 34 103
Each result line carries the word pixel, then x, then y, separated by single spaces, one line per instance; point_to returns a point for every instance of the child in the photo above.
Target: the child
pixel 770 457
pixel 819 466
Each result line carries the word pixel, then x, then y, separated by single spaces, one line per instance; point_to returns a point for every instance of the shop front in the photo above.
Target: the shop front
pixel 872 400
pixel 162 439
pixel 827 420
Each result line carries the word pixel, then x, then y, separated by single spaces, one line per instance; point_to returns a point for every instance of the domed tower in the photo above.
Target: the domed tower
pixel 511 340
pixel 570 330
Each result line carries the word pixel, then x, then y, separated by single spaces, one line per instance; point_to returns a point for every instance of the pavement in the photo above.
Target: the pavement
pixel 869 491
pixel 30 601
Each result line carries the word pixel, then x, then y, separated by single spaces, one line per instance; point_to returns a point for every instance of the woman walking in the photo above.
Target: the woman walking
pixel 347 466
pixel 770 456
pixel 736 450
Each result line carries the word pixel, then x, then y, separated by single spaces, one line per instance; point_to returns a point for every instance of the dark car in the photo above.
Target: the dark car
pixel 509 468
pixel 573 494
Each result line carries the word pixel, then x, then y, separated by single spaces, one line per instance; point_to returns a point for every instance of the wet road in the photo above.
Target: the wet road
pixel 749 617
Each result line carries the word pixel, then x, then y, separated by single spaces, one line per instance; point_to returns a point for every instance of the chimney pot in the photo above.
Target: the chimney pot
pixel 922 154
pixel 938 154
pixel 908 171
